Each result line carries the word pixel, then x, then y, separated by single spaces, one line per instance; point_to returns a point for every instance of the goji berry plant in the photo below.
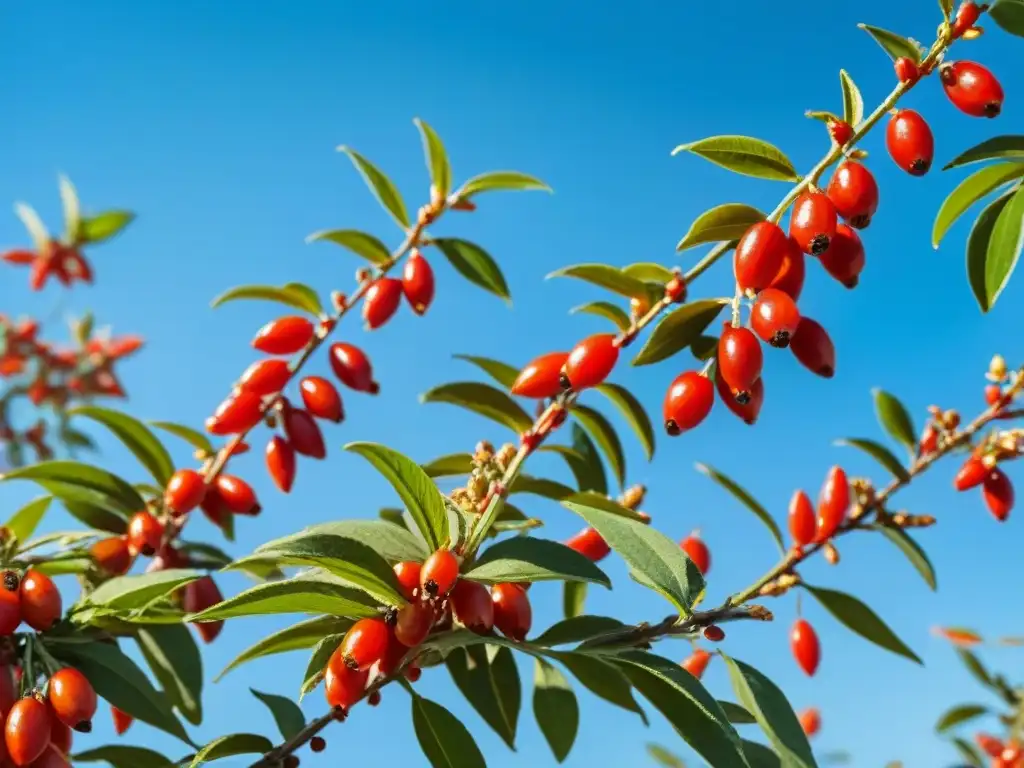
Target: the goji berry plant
pixel 446 578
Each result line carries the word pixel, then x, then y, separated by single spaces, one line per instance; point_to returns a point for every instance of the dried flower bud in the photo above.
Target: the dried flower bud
pixel 950 419
pixel 362 275
pixel 639 306
pixel 973 33
pixel 760 613
pixel 483 452
pixel 338 300
pixel 633 496
pixel 505 455
pixel 831 554
pixel 997 368
pixel 477 488
pixel 461 498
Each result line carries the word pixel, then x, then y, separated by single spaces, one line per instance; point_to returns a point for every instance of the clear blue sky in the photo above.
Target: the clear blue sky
pixel 218 123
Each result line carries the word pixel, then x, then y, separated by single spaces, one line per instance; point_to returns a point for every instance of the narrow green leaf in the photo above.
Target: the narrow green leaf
pixel 172 655
pixel 531 559
pixel 861 620
pixel 605 436
pixel 744 497
pixel 574 460
pixel 736 713
pixel 417 491
pixel 137 590
pixel 297 637
pixel 912 550
pixel 975 667
pixel 971 190
pixel 22 524
pixel 475 264
pixel 895 45
pixel 495 181
pixel 1005 241
pixel 574 596
pixel 286 295
pixel 121 756
pixel 88 478
pixel 577 629
pixel 603 503
pixel 998 147
pixel 381 186
pixel 92 509
pixel 634 414
pixel 442 736
pixel 853 102
pixel 591 477
pixel 946 6
pixel 452 465
pixel 136 437
pixel 437 158
pixel 604 276
pixel 760 756
pixel 661 561
pixel 959 714
pixel 968 752
pixel 556 709
pixel 603 679
pixel 307 593
pixel 322 653
pixel 539 486
pixel 978 248
pixel 723 222
pixel 482 399
pixel 743 155
pixel 678 329
pixel 879 453
pixel 287 715
pixel 232 746
pixel 103 226
pixel 894 418
pixel 390 542
pixel 361 244
pixel 704 347
pixel 663 757
pixel 1009 14
pixel 503 373
pixel 606 310
pixel 309 294
pixel 193 437
pixel 763 699
pixel 487 676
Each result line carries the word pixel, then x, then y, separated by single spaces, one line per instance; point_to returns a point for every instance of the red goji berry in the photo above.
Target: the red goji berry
pixel 967 16
pixel 322 399
pixel 145 533
pixel 833 503
pixel 688 402
pixel 590 544
pixel 854 192
pixel 907 70
pixel 971 474
pixel 697 662
pixel 774 317
pixel 185 491
pixel 122 720
pixel 10 603
pixel 714 634
pixel 236 495
pixel 910 142
pixel 439 573
pixel 27 731
pixel 740 360
pixel 284 336
pixel 381 302
pixel 472 606
pixel 813 222
pixel 845 259
pixel 997 490
pixel 352 367
pixel 812 346
pixel 266 377
pixel 972 88
pixel 240 412
pixel 759 255
pixel 414 622
pixel 408 575
pixel 418 282
pixel 281 465
pixel 810 721
pixel 513 615
pixel 840 131
pixel 790 277
pixel 72 699
pixel 343 686
pixel 697 551
pixel 590 362
pixel 990 745
pixel 803 524
pixel 541 377
pixel 803 642
pixel 197 596
pixel 366 642
pixel 747 411
pixel 303 433
pixel 112 554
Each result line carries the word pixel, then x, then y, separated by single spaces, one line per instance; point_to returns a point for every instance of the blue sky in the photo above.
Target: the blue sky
pixel 217 123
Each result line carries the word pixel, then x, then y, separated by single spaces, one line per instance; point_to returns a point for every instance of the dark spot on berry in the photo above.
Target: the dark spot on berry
pixel 373 389
pixel 827 371
pixel 391 616
pixel 563 381
pixel 742 397
pixel 920 167
pixel 672 428
pixel 853 282
pixel 431 588
pixel 317 744
pixel 993 108
pixel 819 244
pixel 780 339
pixel 351 663
pixel 84 727
pixel 373 699
pixel 11 581
pixel 860 222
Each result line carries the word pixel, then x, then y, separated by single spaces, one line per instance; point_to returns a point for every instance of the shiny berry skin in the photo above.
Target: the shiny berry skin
pixel 967 16
pixel 929 440
pixel 145 533
pixel 810 721
pixel 698 551
pixel 414 622
pixel 740 360
pixel 239 413
pixel 854 193
pixel 997 490
pixel 907 70
pixel 284 336
pixel 352 367
pixel 236 495
pixel 10 605
pixel 439 573
pixel 322 399
pixel 803 642
pixel 993 394
pixel 844 260
pixel 303 433
pixel 675 289
pixel 812 346
pixel 688 402
pixel 748 411
pixel 381 302
pixel 185 491
pixel 990 745
pixel 413 673
pixel 408 575
pixel 472 606
pixel 418 282
pixel 813 222
pixel 280 460
pixel 343 686
pixel 803 524
pixel 833 503
pixel 971 474
pixel 112 555
pixel 27 731
pixel 52 757
pixel 972 88
pixel 840 131
pixel 513 615
pixel 774 317
pixel 714 634
pixel 910 142
pixel 759 255
pixel 61 737
pixel 790 277
pixel 541 377
pixel 590 544
pixel 590 362
pixel 266 377
pixel 122 720
pixel 697 662
pixel 9 694
pixel 365 643
pixel 197 596
pixel 72 699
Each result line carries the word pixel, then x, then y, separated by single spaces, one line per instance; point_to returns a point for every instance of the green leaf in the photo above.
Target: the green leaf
pixel 994 247
pixel 911 549
pixel 723 222
pixel 663 757
pixel 103 226
pixel 658 559
pixel 998 147
pixel 322 653
pixel 959 714
pixel 381 186
pixel 678 329
pixel 574 596
pixel 442 736
pixel 894 418
pixel 482 399
pixel 311 296
pixel 606 310
pixel 314 593
pixel 416 490
pixel 529 559
pixel 437 158
pixel 603 433
pixel 603 503
pixel 895 45
pixel 487 676
pixel 744 497
pixel 591 476
pixel 135 591
pixel 136 437
pixel 576 629
pixel 736 713
pixel 475 264
pixel 685 703
pixel 230 746
pixel 879 453
pixel 452 465
pixel 760 756
pixel 861 620
pixel 743 155
pixel 556 709
pixel 361 244
pixel 604 276
pixel 946 6
pixel 120 756
pixel 22 524
pixel 704 347
pixel 971 190
pixel 1009 14
pixel 287 715
pixel 975 667
pixel 390 542
pixel 193 437
pixel 539 486
pixel 94 480
pixel 634 414
pixel 603 679
pixel 91 509
pixel 495 181
pixel 763 699
pixel 172 655
pixel 119 681
pixel 287 295
pixel 503 373
pixel 853 102
pixel 297 637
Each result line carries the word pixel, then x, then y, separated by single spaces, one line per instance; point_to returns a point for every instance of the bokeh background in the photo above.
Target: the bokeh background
pixel 217 123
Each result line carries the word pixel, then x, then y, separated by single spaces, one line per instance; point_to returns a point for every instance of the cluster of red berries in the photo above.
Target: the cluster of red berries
pixel 996 486
pixel 63 262
pixel 384 293
pixel 38 728
pixel 1008 754
pixel 375 648
pixel 32 598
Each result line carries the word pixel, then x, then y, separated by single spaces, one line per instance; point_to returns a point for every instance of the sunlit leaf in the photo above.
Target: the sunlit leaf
pixel 287 295
pixel 744 497
pixel 604 276
pixel 555 707
pixel 532 559
pixel 605 436
pixel 475 264
pixel 994 247
pixel 959 714
pixel 971 190
pixel 634 414
pixel 482 399
pixel 91 479
pixel 998 147
pixel 312 593
pixel 123 756
pixel 297 637
pixel 103 226
pixel 606 310
pixel 437 158
pixel 896 46
pixel 860 619
pixel 879 453
pixel 501 372
pixel 136 437
pixel 287 715
pixel 1009 14
pixel 495 181
pixel 912 550
pixel 22 524
pixel 744 155
pixel 382 187
pixel 853 102
pixel 894 418
pixel 678 329
pixel 452 465
pixel 172 655
pixel 360 243
pixel 723 222
pixel 232 746
pixel 442 736
pixel 193 437
pixel 489 679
